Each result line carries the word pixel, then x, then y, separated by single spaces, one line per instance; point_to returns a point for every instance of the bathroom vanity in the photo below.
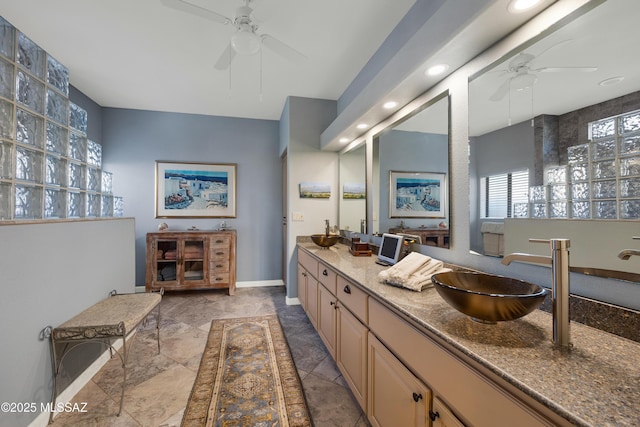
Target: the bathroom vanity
pixel 411 359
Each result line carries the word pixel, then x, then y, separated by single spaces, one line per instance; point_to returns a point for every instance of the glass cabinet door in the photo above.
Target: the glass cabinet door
pixel 193 256
pixel 167 261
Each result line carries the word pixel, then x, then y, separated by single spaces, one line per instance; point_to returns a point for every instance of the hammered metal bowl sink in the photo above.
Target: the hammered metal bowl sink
pixel 487 298
pixel 324 240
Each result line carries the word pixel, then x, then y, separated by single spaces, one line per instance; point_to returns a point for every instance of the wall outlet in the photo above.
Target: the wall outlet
pixel 297 216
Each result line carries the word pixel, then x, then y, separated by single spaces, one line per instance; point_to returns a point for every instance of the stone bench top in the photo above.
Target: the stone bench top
pixel 126 310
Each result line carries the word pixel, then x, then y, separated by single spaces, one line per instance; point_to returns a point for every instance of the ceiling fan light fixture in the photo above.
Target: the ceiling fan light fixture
pixel 245 41
pixel 518 6
pixel 523 81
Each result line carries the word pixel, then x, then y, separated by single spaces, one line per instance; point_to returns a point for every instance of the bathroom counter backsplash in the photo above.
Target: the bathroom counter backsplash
pixel 595 383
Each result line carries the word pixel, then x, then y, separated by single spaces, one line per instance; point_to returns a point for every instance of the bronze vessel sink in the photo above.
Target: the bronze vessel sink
pixel 324 240
pixel 488 298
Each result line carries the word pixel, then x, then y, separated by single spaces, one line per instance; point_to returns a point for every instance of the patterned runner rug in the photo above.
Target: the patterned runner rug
pixel 246 378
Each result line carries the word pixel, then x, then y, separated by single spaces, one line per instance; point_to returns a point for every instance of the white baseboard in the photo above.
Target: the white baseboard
pixel 259 283
pixel 72 389
pixel 292 301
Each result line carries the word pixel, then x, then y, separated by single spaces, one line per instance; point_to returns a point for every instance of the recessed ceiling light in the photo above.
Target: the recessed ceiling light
pixel 436 69
pixel 517 6
pixel 390 104
pixel 343 140
pixel 611 81
pixel 362 126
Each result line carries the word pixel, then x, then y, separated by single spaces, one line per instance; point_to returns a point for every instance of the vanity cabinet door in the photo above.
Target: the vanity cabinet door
pixel 327 319
pixel 442 416
pixel 351 353
pixel 312 301
pixel 396 396
pixel 303 279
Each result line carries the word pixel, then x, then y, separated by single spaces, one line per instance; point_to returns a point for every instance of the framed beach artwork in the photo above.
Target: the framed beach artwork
pixel 195 190
pixel 417 194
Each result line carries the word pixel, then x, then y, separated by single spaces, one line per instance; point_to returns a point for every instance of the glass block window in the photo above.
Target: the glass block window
pixel 48 168
pixel 30 92
pixel 7 39
pixel 31 57
pixel 615 167
pixel 500 194
pixel 58 75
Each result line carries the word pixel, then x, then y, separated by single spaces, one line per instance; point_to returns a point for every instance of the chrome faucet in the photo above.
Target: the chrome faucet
pixel 559 261
pixel 362 226
pixel 327 229
pixel 625 254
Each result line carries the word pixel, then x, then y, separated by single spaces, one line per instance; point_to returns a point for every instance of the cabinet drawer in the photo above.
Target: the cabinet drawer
pixel 219 266
pixel 308 262
pixel 218 278
pixel 217 241
pixel 352 297
pixel 219 253
pixel 327 277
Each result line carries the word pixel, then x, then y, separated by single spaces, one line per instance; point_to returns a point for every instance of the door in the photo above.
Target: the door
pixel 285 251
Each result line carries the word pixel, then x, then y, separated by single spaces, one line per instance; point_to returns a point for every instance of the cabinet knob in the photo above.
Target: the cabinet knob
pixel 433 415
pixel 325 272
pixel 417 397
pixel 347 289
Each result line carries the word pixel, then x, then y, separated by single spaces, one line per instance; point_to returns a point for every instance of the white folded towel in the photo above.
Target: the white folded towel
pixel 413 272
pixel 406 267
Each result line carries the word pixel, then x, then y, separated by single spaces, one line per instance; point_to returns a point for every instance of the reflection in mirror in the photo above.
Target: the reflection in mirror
pixel 352 215
pixel 555 142
pixel 411 175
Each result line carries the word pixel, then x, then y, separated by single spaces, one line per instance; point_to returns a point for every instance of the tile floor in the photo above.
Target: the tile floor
pixel 158 385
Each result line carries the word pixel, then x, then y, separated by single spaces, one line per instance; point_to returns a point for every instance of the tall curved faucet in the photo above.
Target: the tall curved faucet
pixel 559 261
pixel 625 254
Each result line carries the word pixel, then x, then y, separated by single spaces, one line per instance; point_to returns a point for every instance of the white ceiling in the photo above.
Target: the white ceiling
pixel 140 54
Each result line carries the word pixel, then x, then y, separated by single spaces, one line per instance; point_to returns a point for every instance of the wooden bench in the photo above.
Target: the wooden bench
pixel 107 321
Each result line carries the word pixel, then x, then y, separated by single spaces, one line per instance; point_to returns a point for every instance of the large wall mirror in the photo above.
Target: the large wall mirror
pixel 411 175
pixel 352 206
pixel 555 141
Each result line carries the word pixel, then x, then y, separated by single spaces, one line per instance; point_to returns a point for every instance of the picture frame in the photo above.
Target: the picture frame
pixel 315 190
pixel 195 190
pixel 417 194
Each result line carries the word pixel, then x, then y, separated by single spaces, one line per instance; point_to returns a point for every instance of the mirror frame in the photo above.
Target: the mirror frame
pixel 415 107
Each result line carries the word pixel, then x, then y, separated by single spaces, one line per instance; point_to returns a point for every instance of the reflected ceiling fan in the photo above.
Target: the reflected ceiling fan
pixel 523 75
pixel 246 40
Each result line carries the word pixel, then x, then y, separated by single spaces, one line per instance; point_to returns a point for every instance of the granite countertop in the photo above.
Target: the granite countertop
pixel 595 383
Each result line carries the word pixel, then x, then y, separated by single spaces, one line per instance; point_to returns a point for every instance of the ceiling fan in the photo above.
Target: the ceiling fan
pixel 522 75
pixel 246 40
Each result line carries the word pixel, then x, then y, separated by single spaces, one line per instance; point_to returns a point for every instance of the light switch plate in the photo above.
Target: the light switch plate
pixel 297 216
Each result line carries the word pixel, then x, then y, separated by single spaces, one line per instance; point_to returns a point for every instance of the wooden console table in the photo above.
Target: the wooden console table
pixel 107 321
pixel 430 236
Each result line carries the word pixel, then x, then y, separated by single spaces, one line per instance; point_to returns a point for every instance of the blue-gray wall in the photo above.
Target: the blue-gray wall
pixel 133 140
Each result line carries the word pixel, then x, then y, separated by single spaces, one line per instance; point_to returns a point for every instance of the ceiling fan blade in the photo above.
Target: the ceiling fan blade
pixel 560 69
pixel 187 7
pixel 502 90
pixel 225 59
pixel 282 49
